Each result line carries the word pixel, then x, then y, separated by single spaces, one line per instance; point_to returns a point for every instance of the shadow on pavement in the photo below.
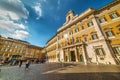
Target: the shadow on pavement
pixel 83 76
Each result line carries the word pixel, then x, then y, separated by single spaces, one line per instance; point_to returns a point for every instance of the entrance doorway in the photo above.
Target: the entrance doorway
pixel 81 58
pixel 72 53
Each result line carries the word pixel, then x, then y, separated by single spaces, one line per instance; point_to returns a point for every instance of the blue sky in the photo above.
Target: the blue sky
pixel 36 21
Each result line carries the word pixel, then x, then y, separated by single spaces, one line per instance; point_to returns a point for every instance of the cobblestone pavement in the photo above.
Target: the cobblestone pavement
pixel 55 71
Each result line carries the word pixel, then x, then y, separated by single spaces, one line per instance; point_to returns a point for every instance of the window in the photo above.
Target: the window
pixel 118 27
pixel 109 33
pixel 1 54
pixel 102 19
pixel 2 49
pixel 72 41
pixel 10 50
pixel 113 15
pixel 71 32
pixel 94 36
pixel 6 49
pixel 99 51
pixel 16 46
pixel 58 38
pixel 68 18
pixel 116 50
pixel 62 36
pixel 78 39
pixel 76 30
pixel 82 27
pixel 85 38
pixel 90 24
pixel 5 54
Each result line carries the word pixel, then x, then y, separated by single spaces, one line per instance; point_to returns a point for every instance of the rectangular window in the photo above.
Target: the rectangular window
pixel 6 55
pixel 71 32
pixel 117 50
pixel 76 30
pixel 82 27
pixel 10 50
pixel 94 36
pixel 118 27
pixel 90 24
pixel 78 40
pixel 102 19
pixel 99 51
pixel 72 41
pixel 62 36
pixel 109 33
pixel 6 49
pixel 85 38
pixel 113 15
pixel 1 54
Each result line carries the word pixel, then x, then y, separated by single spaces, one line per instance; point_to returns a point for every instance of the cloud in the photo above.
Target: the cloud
pixel 13 9
pixel 20 34
pixel 44 0
pixel 10 25
pixel 38 10
pixel 11 12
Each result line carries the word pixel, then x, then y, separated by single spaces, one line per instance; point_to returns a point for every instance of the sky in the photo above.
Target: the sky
pixel 36 21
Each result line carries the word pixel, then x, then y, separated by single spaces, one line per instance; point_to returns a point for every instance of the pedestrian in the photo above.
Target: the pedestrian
pixel 0 65
pixel 20 63
pixel 27 64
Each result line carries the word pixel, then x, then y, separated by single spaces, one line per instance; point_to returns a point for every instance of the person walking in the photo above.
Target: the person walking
pixel 27 65
pixel 20 63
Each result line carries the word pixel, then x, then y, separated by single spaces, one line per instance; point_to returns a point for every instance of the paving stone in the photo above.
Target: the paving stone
pixel 54 71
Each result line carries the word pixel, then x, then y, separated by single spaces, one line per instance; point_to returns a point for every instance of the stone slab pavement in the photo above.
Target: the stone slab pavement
pixel 58 71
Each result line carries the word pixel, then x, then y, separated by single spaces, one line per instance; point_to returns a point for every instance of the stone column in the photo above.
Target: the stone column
pixel 76 54
pixel 84 54
pixel 68 55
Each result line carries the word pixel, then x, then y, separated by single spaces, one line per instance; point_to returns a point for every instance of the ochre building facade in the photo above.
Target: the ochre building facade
pixel 90 37
pixel 13 49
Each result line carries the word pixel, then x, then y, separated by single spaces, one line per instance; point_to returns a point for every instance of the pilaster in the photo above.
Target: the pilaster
pixel 84 54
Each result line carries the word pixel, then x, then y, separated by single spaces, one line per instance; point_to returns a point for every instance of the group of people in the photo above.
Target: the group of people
pixel 27 64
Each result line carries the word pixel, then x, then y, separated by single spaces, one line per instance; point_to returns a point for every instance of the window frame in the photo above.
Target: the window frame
pixel 97 52
pixel 109 34
pixel 70 32
pixel 90 24
pixel 76 30
pixel 116 51
pixel 114 15
pixel 78 39
pixel 82 27
pixel 93 38
pixel 102 19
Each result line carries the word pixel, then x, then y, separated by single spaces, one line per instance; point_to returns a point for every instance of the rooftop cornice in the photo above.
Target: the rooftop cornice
pixel 108 6
pixel 51 38
pixel 81 16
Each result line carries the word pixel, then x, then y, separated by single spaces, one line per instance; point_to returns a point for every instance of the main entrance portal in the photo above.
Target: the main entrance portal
pixel 72 53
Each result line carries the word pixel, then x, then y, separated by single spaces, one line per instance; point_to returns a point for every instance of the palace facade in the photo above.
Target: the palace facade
pixel 90 37
pixel 14 49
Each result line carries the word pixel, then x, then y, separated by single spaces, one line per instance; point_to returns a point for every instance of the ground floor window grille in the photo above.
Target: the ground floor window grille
pixel 99 51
